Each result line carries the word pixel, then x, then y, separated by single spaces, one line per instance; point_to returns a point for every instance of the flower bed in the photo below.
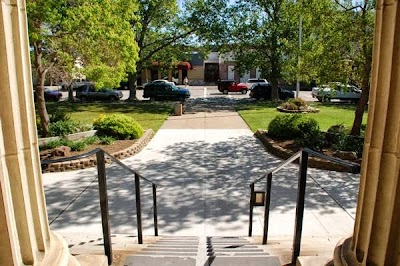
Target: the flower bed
pixel 282 152
pixel 91 161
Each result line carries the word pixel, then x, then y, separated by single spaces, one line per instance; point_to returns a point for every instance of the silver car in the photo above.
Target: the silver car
pixel 337 91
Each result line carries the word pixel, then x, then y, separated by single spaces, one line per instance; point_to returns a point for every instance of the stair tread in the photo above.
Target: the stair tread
pixel 240 261
pixel 165 261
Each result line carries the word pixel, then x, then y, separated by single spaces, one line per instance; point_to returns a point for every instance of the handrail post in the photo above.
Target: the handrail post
pixel 251 209
pixel 101 177
pixel 155 210
pixel 138 209
pixel 301 191
pixel 267 204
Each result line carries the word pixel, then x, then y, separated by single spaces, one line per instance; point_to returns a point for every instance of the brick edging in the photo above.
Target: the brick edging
pixel 280 152
pixel 91 161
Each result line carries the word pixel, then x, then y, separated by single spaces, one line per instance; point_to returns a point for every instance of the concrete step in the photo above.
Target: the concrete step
pixel 215 251
pixel 240 261
pixel 312 260
pixel 164 261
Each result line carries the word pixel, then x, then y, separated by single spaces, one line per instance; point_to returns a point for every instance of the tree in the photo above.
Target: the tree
pixel 257 32
pixel 337 46
pixel 167 34
pixel 361 16
pixel 97 33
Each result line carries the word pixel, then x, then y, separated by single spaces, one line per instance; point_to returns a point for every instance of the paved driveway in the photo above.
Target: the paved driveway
pixel 203 163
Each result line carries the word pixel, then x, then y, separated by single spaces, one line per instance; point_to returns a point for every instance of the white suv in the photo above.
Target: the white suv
pixel 252 81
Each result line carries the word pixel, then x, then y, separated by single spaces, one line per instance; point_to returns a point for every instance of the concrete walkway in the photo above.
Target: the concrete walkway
pixel 203 163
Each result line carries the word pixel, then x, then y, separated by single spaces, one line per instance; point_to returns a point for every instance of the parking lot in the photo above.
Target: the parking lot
pixel 204 92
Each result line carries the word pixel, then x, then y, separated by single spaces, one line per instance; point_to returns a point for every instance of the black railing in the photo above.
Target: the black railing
pixel 102 180
pixel 302 155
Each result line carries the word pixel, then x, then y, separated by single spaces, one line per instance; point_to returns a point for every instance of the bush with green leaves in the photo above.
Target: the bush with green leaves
pixel 118 126
pixel 350 143
pixel 59 115
pixel 78 145
pixel 294 104
pixel 106 140
pixel 293 126
pixel 63 128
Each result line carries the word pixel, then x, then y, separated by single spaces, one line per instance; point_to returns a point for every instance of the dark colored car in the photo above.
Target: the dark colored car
pixel 51 95
pixel 263 90
pixel 165 91
pixel 88 92
pixel 228 85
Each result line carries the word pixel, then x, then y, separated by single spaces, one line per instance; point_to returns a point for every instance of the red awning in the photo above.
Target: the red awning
pixel 184 65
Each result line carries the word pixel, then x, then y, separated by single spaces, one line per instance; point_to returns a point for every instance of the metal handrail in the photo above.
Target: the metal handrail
pixel 302 155
pixel 101 174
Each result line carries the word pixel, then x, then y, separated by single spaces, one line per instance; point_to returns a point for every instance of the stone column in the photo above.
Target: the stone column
pixel 376 237
pixel 25 237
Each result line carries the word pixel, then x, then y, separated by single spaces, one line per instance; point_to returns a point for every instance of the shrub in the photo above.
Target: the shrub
pixel 62 128
pixel 345 142
pixel 119 126
pixel 54 144
pixel 289 106
pixel 74 145
pixel 106 140
pixel 315 140
pixel 294 104
pixel 77 145
pixel 297 101
pixel 292 126
pixel 59 115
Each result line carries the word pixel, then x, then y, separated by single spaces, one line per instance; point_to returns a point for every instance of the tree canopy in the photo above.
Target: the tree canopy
pixel 96 34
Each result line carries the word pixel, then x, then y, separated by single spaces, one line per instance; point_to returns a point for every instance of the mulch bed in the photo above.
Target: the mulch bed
pixel 118 145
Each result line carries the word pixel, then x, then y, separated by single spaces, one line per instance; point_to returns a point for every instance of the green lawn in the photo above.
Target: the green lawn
pixel 258 115
pixel 148 114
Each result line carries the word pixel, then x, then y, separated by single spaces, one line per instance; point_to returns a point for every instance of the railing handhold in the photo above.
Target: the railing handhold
pixel 303 166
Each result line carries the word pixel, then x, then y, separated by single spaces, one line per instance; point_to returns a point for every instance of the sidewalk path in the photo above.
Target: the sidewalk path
pixel 203 163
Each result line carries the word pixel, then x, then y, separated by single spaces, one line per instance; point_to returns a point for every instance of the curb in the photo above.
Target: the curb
pixel 91 161
pixel 282 153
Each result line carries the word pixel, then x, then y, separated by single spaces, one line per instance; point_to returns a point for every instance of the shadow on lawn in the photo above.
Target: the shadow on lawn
pixel 111 107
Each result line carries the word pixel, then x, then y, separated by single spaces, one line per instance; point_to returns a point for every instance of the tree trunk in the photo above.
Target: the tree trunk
pixel 367 52
pixel 41 105
pixel 70 93
pixel 132 77
pixel 40 101
pixel 356 128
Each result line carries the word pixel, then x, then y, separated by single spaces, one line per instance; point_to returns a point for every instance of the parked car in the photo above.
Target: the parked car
pixel 163 81
pixel 228 85
pixel 52 95
pixel 174 80
pixel 251 82
pixel 264 91
pixel 88 92
pixel 76 83
pixel 337 91
pixel 164 91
